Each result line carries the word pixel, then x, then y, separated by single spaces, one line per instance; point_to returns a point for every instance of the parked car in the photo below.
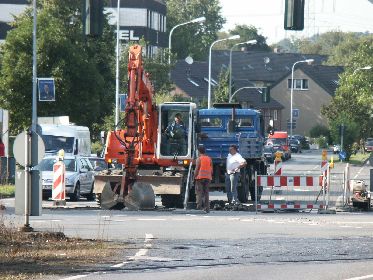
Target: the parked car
pixel 99 164
pixel 295 146
pixel 369 146
pixel 336 149
pixel 79 177
pixel 269 153
pixel 304 142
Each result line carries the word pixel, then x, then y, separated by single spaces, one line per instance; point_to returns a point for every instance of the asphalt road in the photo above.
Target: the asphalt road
pixel 223 244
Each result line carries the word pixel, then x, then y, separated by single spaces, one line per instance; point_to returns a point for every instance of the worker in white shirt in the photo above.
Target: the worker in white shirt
pixel 234 163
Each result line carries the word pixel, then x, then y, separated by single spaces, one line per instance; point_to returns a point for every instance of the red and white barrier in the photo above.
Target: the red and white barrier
pixel 294 186
pixel 289 181
pixel 58 188
pixel 278 167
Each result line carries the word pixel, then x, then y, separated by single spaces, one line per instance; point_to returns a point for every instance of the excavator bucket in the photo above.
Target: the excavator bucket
pixel 109 199
pixel 141 197
pixel 107 189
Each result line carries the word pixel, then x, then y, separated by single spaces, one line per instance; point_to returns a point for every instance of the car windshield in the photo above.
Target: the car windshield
pixel 98 163
pixel 55 143
pixel 277 141
pixel 369 143
pixel 293 141
pixel 268 149
pixel 47 164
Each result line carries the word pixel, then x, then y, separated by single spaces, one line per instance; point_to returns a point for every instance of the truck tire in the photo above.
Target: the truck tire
pixel 172 200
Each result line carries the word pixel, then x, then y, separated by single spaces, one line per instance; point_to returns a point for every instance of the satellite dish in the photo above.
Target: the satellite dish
pixel 189 60
pixel 267 60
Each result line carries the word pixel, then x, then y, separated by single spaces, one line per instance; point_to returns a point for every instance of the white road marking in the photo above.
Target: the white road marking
pixel 361 277
pixel 74 277
pixel 141 254
pixel 358 173
pixel 151 219
pixel 119 264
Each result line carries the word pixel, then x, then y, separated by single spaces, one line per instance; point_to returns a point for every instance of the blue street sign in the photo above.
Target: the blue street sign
pixel 342 155
pixel 46 89
pixel 296 113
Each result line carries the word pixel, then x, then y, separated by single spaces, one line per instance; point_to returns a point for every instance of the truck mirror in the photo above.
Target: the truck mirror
pixel 294 15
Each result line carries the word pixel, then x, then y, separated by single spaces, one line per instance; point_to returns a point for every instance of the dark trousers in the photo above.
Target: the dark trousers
pixel 202 194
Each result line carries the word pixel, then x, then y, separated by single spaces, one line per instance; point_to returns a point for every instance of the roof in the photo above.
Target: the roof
pixel 247 68
pixel 325 76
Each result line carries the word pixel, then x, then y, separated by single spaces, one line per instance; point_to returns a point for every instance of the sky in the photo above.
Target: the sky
pixel 320 16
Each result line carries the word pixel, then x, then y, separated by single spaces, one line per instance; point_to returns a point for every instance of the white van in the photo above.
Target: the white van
pixel 74 140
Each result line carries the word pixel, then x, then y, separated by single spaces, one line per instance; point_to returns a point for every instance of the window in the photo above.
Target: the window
pixel 245 122
pixel 299 84
pixel 275 115
pixel 211 122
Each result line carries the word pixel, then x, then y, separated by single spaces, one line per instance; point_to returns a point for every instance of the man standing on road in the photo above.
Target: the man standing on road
pixel 203 177
pixel 234 163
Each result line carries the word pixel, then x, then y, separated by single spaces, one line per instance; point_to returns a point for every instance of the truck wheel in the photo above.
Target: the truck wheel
pixel 76 195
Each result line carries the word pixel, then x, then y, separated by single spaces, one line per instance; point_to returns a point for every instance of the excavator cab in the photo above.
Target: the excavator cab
pixel 175 125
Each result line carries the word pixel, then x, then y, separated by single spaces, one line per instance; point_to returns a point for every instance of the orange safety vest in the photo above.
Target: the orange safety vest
pixel 205 168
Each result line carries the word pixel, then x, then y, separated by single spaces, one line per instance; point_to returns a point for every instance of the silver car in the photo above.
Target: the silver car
pixel 79 177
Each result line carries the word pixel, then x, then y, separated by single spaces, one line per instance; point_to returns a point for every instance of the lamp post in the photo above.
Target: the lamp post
pixel 234 37
pixel 309 61
pixel 196 20
pixel 241 88
pixel 362 68
pixel 250 42
pixel 117 70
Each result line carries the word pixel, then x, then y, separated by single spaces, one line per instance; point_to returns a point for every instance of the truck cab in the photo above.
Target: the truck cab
pixel 227 125
pixel 280 139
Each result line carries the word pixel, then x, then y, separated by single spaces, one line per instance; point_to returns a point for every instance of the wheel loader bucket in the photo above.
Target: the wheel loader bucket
pixel 109 199
pixel 141 197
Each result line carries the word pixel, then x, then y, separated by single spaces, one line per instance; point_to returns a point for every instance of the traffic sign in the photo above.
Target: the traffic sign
pixel 296 113
pixel 19 148
pixel 342 155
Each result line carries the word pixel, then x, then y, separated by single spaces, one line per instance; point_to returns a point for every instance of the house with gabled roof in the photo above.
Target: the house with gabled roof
pixel 265 69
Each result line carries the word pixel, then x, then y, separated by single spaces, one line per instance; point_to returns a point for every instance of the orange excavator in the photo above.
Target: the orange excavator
pixel 153 161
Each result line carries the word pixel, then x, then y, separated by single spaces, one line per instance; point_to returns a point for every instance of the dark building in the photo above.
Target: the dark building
pixel 138 19
pixel 141 19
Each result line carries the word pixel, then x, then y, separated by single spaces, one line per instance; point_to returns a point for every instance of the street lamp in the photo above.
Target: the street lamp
pixel 196 20
pixel 234 37
pixel 309 61
pixel 117 70
pixel 250 42
pixel 241 88
pixel 362 68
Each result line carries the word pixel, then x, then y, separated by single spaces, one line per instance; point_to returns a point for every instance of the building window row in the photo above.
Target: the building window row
pixel 156 21
pixel 299 84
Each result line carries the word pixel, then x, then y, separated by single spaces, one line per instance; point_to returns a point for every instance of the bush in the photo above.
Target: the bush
pixel 322 142
pixel 320 130
pixel 97 148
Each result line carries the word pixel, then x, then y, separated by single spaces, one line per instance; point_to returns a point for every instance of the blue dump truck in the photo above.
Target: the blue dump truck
pixel 228 124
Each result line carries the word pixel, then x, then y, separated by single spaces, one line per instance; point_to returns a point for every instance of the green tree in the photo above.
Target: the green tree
pixel 221 92
pixel 249 33
pixel 82 67
pixel 193 39
pixel 352 102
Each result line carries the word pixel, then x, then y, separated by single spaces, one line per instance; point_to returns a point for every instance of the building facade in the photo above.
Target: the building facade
pixel 138 19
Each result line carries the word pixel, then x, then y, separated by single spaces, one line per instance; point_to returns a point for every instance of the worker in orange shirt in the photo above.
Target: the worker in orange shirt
pixel 203 177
